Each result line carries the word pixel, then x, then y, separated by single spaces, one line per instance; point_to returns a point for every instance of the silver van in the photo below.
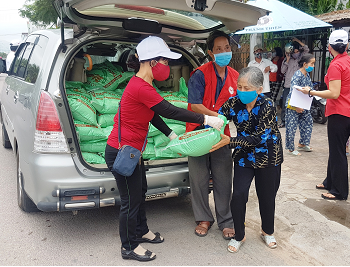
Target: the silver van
pixel 37 120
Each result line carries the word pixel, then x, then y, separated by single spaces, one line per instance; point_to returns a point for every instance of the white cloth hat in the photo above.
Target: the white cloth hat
pixel 338 37
pixel 257 47
pixel 154 46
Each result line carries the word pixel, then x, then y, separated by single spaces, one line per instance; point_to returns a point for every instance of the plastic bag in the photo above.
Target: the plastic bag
pixel 93 158
pixel 107 131
pixel 196 143
pixel 162 140
pixel 179 103
pixel 82 109
pixel 87 132
pixel 106 76
pixel 105 102
pixel 105 120
pixel 91 146
pixel 162 153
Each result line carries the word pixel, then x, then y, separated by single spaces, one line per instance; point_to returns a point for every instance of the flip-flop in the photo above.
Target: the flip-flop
pixel 294 153
pixel 305 148
pixel 320 187
pixel 268 239
pixel 234 243
pixel 201 228
pixel 330 198
pixel 228 231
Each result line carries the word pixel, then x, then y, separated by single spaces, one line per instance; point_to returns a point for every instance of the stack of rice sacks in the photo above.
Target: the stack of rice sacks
pixel 95 103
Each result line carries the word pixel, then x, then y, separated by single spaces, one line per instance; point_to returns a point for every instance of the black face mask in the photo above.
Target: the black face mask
pixel 258 55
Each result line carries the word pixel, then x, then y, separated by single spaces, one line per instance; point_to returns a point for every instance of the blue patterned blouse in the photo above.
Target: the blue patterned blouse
pixel 258 143
pixel 301 80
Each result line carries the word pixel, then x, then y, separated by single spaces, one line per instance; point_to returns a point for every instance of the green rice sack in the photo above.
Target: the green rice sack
pixel 107 131
pixel 105 120
pixel 149 152
pixel 99 146
pixel 196 143
pixel 106 76
pixel 87 132
pixel 105 102
pixel 162 140
pixel 183 90
pixel 93 158
pixel 179 103
pixel 163 153
pixel 82 109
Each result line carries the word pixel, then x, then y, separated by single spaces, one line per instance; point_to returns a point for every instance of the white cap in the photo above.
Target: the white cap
pixel 154 46
pixel 15 42
pixel 338 37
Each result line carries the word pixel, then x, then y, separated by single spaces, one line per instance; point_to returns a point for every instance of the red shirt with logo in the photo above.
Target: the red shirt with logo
pixel 135 114
pixel 339 69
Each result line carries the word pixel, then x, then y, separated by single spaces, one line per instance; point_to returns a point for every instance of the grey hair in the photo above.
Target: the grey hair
pixel 254 75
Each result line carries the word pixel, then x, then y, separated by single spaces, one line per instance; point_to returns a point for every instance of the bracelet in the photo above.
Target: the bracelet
pixel 309 93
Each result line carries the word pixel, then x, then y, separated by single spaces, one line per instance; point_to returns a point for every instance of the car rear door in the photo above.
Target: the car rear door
pixel 180 20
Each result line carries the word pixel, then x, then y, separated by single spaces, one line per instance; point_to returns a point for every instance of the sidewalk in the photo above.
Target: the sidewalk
pixel 309 229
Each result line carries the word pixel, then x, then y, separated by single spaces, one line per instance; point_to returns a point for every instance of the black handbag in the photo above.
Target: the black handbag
pixel 128 157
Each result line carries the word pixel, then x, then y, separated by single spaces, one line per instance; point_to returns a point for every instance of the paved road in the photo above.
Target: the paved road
pixel 309 230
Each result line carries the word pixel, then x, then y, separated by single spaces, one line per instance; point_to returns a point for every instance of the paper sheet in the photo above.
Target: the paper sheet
pixel 299 99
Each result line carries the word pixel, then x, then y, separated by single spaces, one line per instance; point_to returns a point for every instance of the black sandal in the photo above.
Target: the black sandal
pixel 157 239
pixel 131 255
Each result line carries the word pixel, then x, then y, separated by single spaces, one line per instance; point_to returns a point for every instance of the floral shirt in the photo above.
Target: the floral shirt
pixel 258 143
pixel 301 80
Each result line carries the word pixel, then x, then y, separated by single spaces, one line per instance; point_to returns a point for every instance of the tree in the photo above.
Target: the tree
pixel 39 12
pixel 314 7
pixel 3 55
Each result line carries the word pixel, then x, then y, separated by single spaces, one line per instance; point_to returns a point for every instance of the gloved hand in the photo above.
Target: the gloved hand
pixel 172 135
pixel 213 121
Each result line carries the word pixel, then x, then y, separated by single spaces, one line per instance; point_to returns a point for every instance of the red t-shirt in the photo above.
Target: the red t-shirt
pixel 137 100
pixel 339 69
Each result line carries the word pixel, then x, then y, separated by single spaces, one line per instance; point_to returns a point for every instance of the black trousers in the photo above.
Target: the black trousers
pixel 336 182
pixel 132 190
pixel 267 181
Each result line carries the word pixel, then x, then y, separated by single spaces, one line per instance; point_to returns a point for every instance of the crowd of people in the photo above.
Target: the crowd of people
pixel 247 99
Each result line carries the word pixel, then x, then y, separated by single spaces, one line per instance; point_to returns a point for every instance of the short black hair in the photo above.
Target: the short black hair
pixel 213 35
pixel 306 58
pixel 296 45
pixel 340 48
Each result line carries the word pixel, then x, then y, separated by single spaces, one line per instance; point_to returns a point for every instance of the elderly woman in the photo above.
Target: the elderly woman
pixel 258 153
pixel 338 113
pixel 140 105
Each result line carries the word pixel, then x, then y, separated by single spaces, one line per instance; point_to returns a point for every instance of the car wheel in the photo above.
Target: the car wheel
pixel 24 202
pixel 5 138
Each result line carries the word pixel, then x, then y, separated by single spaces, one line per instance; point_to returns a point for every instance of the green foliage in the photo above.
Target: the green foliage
pixel 3 55
pixel 39 12
pixel 347 5
pixel 315 7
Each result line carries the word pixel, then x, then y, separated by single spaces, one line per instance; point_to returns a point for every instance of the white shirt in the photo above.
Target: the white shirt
pixel 9 60
pixel 262 65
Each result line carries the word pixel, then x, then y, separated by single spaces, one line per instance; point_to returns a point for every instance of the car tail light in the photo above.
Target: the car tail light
pixel 49 137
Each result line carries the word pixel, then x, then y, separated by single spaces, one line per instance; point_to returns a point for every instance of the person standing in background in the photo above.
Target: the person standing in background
pixel 13 47
pixel 265 65
pixel 276 78
pixel 289 67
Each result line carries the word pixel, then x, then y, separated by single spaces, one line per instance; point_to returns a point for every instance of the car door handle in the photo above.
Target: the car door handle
pixel 7 89
pixel 15 97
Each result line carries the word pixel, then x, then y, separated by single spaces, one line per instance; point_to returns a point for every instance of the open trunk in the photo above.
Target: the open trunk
pixel 95 79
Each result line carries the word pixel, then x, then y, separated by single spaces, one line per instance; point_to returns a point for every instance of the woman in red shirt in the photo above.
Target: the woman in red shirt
pixel 141 104
pixel 338 113
pixel 276 78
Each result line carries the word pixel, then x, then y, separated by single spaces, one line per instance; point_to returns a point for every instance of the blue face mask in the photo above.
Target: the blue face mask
pixel 223 59
pixel 247 96
pixel 309 69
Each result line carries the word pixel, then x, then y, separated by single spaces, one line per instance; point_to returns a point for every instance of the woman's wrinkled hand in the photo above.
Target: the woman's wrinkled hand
pixel 225 140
